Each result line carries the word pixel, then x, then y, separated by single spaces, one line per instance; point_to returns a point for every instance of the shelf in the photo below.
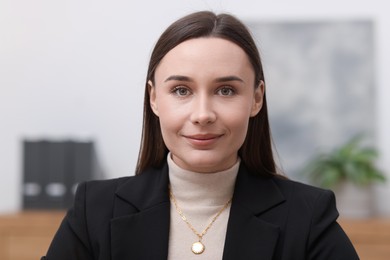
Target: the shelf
pixel 371 237
pixel 27 235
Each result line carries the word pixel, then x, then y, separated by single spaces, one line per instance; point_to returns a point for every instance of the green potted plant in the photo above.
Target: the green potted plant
pixel 349 170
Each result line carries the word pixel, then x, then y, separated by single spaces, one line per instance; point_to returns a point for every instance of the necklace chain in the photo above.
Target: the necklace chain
pixel 183 217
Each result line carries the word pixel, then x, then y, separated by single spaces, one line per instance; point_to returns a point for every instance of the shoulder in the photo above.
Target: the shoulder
pixel 109 186
pixel 100 188
pixel 308 220
pixel 103 192
pixel 307 205
pixel 307 195
pixel 299 188
pixel 97 194
pixel 104 185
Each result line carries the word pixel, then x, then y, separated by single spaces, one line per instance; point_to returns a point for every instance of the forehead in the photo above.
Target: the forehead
pixel 205 54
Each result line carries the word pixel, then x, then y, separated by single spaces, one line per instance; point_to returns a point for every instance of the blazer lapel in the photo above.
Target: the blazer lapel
pixel 140 227
pixel 248 236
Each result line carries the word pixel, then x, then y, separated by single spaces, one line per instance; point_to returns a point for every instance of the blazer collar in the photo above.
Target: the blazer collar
pixel 256 193
pixel 248 236
pixel 147 189
pixel 140 227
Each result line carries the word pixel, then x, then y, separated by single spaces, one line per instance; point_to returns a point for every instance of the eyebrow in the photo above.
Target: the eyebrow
pixel 217 80
pixel 179 78
pixel 228 78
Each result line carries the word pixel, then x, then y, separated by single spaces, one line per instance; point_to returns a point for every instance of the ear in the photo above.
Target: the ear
pixel 152 97
pixel 258 99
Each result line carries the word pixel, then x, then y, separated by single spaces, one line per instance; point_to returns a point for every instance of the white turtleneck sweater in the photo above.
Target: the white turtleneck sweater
pixel 200 196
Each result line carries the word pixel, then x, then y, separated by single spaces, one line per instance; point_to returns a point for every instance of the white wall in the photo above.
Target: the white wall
pixel 75 69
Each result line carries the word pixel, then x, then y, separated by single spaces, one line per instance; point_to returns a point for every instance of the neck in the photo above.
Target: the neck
pixel 193 188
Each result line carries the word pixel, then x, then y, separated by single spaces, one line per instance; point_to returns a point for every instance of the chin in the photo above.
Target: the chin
pixel 212 160
pixel 205 163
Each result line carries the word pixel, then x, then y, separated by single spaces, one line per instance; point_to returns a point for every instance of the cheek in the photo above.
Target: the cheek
pixel 237 121
pixel 171 119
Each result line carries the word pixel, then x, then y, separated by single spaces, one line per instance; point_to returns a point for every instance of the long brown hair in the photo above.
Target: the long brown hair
pixel 256 151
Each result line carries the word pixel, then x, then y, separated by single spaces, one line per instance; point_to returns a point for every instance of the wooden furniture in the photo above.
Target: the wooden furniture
pixel 371 237
pixel 27 235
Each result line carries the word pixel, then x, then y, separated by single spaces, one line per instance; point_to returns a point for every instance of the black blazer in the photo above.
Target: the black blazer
pixel 270 218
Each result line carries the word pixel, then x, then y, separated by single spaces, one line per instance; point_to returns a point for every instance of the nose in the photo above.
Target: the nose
pixel 203 111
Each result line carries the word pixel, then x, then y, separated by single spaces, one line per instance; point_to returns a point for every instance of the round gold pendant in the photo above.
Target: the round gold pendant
pixel 197 248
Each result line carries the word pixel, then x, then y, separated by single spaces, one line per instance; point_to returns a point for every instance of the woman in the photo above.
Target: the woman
pixel 206 186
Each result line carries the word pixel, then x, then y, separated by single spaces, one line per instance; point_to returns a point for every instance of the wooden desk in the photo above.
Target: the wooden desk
pixel 371 237
pixel 27 235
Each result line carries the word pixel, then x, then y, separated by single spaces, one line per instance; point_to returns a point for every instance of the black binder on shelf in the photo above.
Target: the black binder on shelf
pixel 84 166
pixel 57 163
pixel 52 170
pixel 33 179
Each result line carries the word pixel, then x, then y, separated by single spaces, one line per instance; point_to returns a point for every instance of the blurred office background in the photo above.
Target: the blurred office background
pixel 75 70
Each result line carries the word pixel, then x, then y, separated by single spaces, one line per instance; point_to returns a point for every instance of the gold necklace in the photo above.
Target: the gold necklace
pixel 197 247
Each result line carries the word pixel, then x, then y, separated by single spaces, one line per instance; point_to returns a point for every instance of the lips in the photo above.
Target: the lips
pixel 203 136
pixel 203 140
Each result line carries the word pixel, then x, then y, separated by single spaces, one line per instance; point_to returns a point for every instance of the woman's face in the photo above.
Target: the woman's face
pixel 204 95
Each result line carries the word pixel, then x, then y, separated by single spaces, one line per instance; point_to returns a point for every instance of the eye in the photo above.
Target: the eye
pixel 226 91
pixel 181 91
